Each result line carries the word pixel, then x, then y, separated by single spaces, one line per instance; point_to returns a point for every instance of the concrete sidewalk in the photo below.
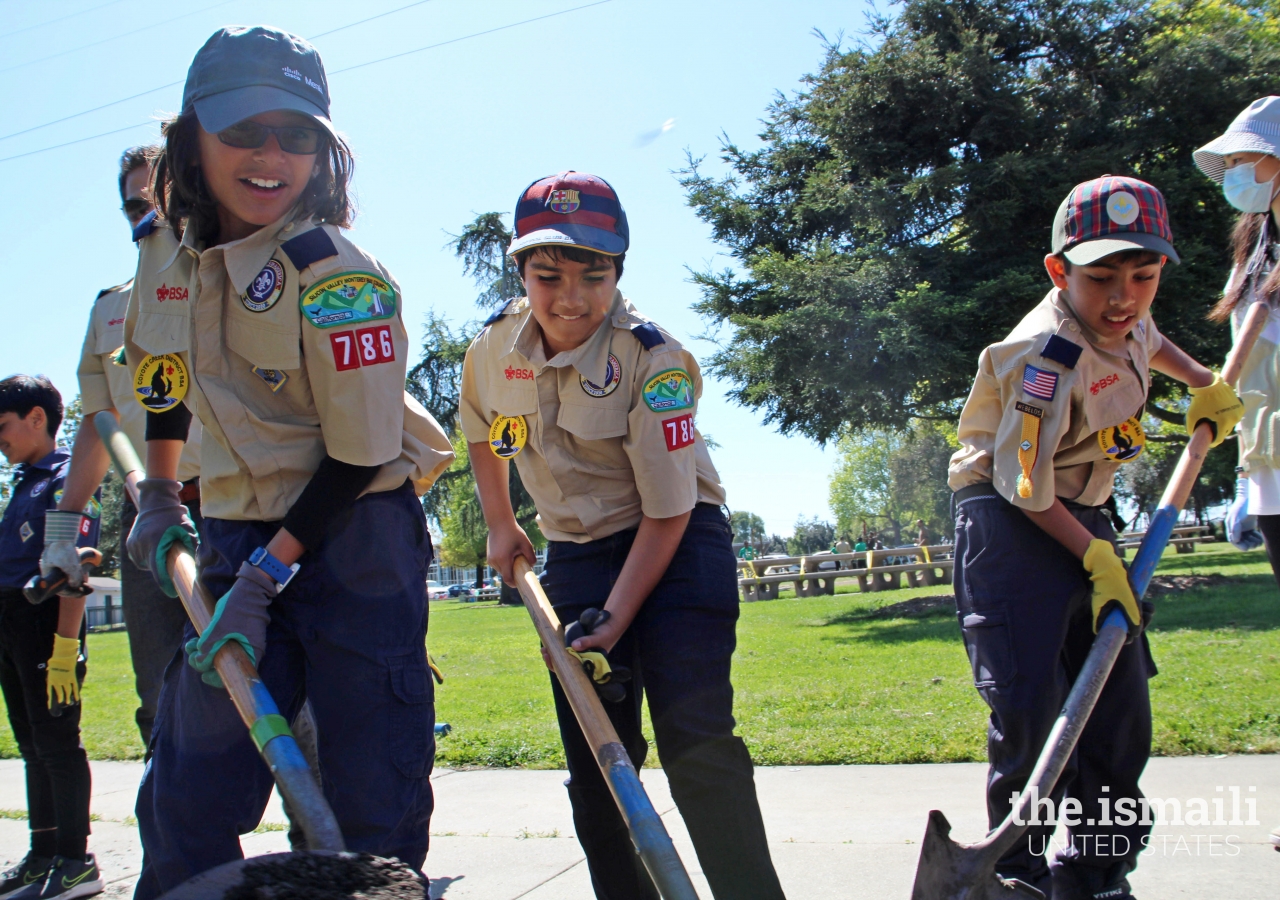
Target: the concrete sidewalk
pixel 835 831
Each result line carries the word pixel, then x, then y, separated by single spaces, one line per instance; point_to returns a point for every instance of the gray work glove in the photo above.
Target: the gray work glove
pixel 241 616
pixel 162 520
pixel 61 531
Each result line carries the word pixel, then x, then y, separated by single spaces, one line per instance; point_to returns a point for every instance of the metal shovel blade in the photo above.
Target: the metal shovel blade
pixel 953 871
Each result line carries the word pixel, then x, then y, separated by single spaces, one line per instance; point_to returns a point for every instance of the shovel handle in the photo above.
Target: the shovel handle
pixel 269 730
pixel 647 832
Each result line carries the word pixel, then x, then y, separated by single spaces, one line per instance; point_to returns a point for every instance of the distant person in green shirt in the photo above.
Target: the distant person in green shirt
pixel 747 552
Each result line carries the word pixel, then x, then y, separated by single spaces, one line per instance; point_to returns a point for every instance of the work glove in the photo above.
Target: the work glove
pixel 61 556
pixel 608 679
pixel 1110 585
pixel 162 520
pixel 60 674
pixel 1218 405
pixel 1242 528
pixel 241 616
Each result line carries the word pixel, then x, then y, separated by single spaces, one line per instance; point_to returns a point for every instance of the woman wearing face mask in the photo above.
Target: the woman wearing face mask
pixel 1245 160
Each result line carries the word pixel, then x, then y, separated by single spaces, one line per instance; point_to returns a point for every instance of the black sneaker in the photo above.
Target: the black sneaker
pixel 70 878
pixel 26 874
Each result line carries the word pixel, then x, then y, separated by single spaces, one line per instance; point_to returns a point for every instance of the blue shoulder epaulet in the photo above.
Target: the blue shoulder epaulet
pixel 145 226
pixel 648 335
pixel 497 316
pixel 1061 350
pixel 111 290
pixel 309 247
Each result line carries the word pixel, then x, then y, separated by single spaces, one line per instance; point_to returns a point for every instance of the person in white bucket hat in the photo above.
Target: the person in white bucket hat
pixel 1245 160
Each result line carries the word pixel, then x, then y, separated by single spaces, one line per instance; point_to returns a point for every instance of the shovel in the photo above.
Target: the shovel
pixel 269 730
pixel 949 870
pixel 647 832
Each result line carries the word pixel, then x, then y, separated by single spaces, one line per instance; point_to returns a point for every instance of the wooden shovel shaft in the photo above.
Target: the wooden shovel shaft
pixel 252 700
pixel 647 832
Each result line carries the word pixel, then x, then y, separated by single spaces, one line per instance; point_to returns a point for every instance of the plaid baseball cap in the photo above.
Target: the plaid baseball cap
pixel 241 72
pixel 1255 130
pixel 571 209
pixel 1109 215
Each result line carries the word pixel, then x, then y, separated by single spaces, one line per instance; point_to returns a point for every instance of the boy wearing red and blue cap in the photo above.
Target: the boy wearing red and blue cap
pixel 596 406
pixel 1054 412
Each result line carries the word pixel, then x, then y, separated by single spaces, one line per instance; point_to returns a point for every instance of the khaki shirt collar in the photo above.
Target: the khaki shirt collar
pixel 591 358
pixel 1062 303
pixel 244 258
pixel 188 243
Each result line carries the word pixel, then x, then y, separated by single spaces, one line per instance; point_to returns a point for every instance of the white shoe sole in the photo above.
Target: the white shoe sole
pixel 85 889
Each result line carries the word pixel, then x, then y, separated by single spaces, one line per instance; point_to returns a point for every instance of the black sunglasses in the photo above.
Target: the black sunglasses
pixel 136 206
pixel 250 135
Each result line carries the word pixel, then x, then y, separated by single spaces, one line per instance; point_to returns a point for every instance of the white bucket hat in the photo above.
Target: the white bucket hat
pixel 1256 130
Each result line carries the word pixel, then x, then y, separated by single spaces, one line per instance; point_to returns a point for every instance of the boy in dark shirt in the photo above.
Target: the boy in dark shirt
pixel 42 657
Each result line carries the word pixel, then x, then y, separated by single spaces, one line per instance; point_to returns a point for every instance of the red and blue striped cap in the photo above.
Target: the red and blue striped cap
pixel 1109 215
pixel 572 208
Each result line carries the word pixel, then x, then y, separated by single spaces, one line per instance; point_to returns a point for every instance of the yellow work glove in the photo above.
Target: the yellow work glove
pixel 64 689
pixel 1110 584
pixel 1218 405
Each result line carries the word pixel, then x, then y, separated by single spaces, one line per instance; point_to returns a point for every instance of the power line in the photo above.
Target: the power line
pixel 32 62
pixel 59 19
pixel 339 71
pixel 476 34
pixel 162 87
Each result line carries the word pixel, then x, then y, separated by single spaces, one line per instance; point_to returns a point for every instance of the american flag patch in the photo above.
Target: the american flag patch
pixel 1039 382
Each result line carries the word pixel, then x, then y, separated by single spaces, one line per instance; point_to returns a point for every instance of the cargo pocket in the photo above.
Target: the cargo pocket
pixel 412 715
pixel 266 344
pixel 990 646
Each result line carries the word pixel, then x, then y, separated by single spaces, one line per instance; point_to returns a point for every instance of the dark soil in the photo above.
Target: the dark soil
pixel 348 876
pixel 1163 584
pixel 914 608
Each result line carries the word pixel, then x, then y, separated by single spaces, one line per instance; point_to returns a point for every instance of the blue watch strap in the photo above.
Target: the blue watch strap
pixel 279 572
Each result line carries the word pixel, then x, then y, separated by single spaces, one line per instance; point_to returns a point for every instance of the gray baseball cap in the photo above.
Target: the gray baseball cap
pixel 1256 130
pixel 243 71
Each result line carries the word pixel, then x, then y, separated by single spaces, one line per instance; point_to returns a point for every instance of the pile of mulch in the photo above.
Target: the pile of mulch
pixel 916 607
pixel 343 876
pixel 1164 584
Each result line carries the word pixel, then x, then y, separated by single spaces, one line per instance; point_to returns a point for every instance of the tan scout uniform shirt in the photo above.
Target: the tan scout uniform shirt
pixel 1098 390
pixel 105 384
pixel 598 456
pixel 274 390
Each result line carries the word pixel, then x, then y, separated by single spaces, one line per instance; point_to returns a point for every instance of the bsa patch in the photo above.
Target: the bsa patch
pixel 274 378
pixel 612 376
pixel 347 299
pixel 26 531
pixel 38 488
pixel 1124 442
pixel 507 436
pixel 265 289
pixel 92 509
pixel 160 382
pixel 668 391
pixel 563 201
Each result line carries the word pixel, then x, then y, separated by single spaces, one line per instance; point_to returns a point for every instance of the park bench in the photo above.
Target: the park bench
pixel 1184 540
pixel 875 570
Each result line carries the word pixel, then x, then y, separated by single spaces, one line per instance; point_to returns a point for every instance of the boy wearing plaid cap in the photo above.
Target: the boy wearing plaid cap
pixel 1054 411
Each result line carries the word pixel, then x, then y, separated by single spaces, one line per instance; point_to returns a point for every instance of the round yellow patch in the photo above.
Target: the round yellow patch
pixel 160 382
pixel 1124 442
pixel 507 436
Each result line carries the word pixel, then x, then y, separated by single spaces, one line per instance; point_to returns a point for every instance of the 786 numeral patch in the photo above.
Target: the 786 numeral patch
pixel 363 347
pixel 678 431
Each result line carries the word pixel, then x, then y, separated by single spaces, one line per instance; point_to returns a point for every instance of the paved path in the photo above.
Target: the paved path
pixel 844 832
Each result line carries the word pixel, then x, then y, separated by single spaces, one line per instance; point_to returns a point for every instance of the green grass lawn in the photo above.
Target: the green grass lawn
pixel 851 678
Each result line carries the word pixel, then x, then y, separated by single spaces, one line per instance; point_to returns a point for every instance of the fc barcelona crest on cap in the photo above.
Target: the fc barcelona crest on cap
pixel 563 201
pixel 265 289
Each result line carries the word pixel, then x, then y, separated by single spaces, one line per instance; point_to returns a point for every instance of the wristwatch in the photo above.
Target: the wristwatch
pixel 278 571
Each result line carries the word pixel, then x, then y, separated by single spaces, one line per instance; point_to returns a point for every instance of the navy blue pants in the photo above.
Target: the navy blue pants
pixel 679 650
pixel 1024 607
pixel 349 633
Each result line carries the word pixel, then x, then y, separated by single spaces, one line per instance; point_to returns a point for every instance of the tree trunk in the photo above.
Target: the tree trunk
pixel 480 575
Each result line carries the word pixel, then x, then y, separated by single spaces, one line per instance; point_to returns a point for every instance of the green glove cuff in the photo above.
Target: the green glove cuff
pixel 202 660
pixel 172 533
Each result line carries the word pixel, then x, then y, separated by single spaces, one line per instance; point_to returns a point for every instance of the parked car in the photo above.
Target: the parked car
pixel 456 590
pixel 436 591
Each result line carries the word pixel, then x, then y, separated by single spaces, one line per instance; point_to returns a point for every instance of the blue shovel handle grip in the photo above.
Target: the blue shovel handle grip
pixel 1115 619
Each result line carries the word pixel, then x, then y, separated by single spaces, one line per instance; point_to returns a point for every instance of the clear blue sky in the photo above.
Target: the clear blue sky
pixel 440 136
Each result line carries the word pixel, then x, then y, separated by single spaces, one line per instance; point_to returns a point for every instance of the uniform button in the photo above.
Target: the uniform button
pixel 289 227
pixel 622 318
pixel 1073 326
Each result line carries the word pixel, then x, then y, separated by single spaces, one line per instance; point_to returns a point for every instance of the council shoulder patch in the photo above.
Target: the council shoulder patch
pixel 507 436
pixel 612 376
pixel 265 289
pixel 1124 442
pixel 160 382
pixel 669 390
pixel 348 298
pixel 92 509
